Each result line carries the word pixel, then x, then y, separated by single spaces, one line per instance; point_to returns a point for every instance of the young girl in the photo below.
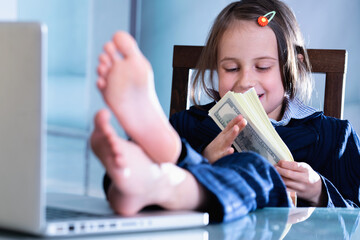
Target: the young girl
pixel 227 185
pixel 273 60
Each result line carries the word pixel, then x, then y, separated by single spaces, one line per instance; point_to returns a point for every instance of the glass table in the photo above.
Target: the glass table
pixel 294 223
pixel 267 223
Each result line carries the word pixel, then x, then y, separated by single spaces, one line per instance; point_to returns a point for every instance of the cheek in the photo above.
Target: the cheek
pixel 225 85
pixel 277 95
pixel 279 87
pixel 275 87
pixel 274 83
pixel 221 86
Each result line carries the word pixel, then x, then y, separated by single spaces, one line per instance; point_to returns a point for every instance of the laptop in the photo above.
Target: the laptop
pixel 23 198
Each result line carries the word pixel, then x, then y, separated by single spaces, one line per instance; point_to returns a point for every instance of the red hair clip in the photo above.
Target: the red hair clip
pixel 263 20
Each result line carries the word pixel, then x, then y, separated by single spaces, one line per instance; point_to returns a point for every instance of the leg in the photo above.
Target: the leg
pixel 127 85
pixel 136 180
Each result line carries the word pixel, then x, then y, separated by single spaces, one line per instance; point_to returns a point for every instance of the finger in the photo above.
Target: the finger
pixel 294 185
pixel 229 151
pixel 242 124
pixel 290 189
pixel 224 153
pixel 231 135
pixel 239 124
pixel 291 174
pixel 289 186
pixel 291 165
pixel 233 122
pixel 284 164
pixel 284 172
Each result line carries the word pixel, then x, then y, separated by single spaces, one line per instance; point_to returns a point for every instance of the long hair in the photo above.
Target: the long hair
pixel 295 73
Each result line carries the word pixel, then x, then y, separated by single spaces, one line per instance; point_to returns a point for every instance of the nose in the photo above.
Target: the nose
pixel 245 81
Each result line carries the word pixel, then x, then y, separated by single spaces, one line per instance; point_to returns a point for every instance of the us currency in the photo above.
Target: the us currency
pixel 249 138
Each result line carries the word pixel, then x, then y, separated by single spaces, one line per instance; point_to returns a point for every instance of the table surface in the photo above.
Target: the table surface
pixel 267 223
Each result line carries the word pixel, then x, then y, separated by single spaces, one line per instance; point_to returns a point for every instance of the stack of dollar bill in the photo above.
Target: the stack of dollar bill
pixel 259 135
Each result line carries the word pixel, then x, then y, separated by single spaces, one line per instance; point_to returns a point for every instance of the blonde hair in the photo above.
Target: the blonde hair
pixel 296 73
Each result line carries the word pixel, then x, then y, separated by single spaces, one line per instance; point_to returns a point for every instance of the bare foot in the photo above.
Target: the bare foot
pixel 127 85
pixel 137 181
pixel 135 177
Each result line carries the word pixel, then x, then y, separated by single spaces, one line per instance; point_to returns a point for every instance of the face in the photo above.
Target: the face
pixel 248 57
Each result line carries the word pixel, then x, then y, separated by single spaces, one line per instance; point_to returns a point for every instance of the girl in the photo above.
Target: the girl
pixel 227 185
pixel 273 60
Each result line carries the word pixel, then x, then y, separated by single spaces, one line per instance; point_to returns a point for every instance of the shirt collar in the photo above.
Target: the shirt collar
pixel 295 109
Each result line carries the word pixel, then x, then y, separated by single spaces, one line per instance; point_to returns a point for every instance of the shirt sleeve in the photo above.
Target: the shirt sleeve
pixel 341 176
pixel 237 184
pixel 335 199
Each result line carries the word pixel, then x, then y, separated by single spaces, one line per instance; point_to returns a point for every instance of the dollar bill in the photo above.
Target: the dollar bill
pixel 258 135
pixel 249 138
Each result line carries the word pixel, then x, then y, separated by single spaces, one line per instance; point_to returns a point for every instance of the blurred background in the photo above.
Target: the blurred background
pixel 77 30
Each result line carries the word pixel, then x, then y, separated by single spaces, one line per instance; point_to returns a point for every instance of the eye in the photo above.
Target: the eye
pixel 262 68
pixel 231 69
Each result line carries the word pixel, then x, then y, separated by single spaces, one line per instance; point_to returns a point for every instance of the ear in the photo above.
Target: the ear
pixel 300 57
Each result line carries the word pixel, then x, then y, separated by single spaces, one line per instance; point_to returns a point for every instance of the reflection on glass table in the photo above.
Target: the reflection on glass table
pixel 268 223
pixel 291 223
pixel 184 234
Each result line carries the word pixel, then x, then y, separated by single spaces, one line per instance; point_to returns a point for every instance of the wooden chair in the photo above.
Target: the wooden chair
pixel 330 62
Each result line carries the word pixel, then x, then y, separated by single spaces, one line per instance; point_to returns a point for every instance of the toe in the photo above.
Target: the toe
pixel 105 59
pixel 102 118
pixel 101 84
pixel 102 70
pixel 111 51
pixel 125 44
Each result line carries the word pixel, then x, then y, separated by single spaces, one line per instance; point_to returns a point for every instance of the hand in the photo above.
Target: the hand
pixel 221 145
pixel 302 179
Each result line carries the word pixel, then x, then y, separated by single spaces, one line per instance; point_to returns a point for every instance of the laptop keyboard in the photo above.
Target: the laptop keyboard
pixel 57 213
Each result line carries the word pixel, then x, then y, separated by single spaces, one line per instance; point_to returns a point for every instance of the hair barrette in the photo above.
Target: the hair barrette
pixel 263 20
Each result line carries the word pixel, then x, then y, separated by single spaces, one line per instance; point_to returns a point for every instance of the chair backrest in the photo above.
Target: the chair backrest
pixel 330 62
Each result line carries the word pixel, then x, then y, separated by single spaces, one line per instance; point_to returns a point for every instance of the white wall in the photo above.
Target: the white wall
pixel 8 10
pixel 108 16
pixel 331 24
